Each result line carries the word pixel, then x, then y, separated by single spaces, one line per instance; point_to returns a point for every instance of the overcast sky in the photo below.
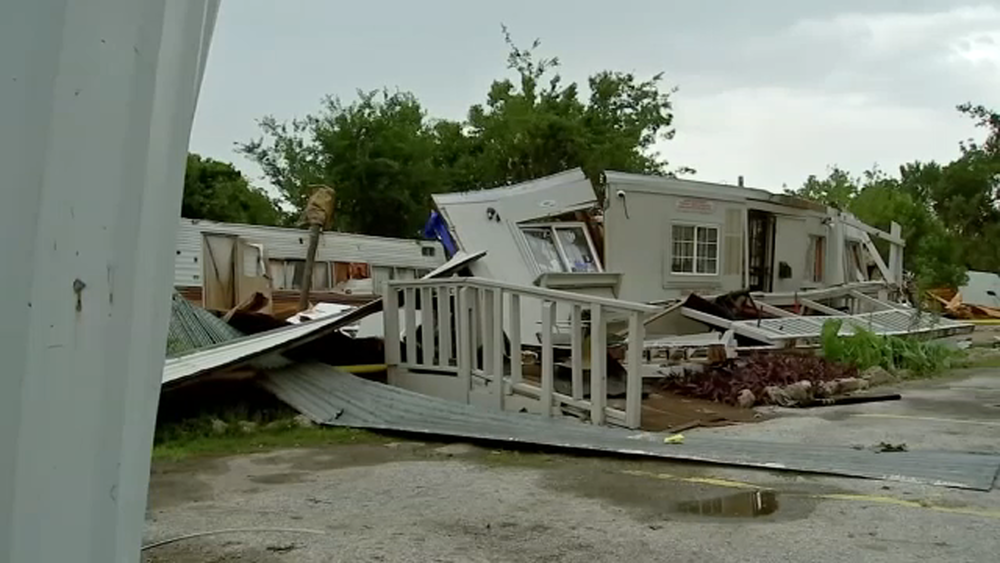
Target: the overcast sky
pixel 773 90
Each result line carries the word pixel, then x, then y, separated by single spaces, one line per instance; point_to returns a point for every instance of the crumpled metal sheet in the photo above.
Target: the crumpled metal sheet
pixel 193 328
pixel 329 396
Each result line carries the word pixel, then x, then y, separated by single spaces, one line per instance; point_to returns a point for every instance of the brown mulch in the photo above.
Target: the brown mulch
pixel 663 411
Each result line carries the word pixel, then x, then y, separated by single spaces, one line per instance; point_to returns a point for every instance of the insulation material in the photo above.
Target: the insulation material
pixel 319 208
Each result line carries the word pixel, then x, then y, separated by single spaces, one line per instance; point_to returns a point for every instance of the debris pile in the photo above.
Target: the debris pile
pixel 953 306
pixel 768 379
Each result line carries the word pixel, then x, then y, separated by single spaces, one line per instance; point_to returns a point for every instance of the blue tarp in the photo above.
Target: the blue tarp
pixel 437 229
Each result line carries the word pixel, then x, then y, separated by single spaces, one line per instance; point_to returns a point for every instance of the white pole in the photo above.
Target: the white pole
pixel 96 104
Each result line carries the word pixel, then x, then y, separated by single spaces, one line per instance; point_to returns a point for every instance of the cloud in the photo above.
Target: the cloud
pixel 910 57
pixel 777 136
pixel 852 89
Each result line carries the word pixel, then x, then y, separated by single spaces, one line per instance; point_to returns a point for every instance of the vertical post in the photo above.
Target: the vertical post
pixel 98 103
pixel 410 321
pixel 487 324
pixel 474 326
pixel 598 361
pixel 896 253
pixel 497 359
pixel 463 326
pixel 427 325
pixel 314 231
pixel 576 354
pixel 548 356
pixel 390 325
pixel 633 389
pixel 515 339
pixel 444 325
pixel 836 255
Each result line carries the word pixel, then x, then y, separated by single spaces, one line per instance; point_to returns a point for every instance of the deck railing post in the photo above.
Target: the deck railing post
pixel 487 324
pixel 598 363
pixel 548 357
pixel 390 326
pixel 410 314
pixel 444 325
pixel 427 326
pixel 576 354
pixel 464 326
pixel 633 390
pixel 496 361
pixel 515 339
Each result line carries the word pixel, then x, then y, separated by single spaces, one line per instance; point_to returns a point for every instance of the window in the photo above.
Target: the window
pixel 695 250
pixel 288 274
pixel 561 248
pixel 427 251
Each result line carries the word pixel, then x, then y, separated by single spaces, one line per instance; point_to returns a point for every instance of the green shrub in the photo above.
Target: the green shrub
pixel 865 349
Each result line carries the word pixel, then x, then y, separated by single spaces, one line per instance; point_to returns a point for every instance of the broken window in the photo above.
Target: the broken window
pixel 561 248
pixel 695 250
pixel 288 274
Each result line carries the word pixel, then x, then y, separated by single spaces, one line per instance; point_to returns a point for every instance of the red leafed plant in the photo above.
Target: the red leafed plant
pixel 723 382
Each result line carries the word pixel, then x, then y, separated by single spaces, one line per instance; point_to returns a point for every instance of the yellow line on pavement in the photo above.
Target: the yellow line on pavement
pixel 846 497
pixel 928 418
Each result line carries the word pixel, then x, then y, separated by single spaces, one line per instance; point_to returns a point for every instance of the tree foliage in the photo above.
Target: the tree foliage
pixel 384 155
pixel 949 212
pixel 217 191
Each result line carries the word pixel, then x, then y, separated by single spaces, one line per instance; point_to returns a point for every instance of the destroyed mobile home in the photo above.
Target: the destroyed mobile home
pixel 223 265
pixel 557 304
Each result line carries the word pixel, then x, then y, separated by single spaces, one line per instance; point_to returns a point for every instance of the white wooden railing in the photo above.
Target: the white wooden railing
pixel 462 327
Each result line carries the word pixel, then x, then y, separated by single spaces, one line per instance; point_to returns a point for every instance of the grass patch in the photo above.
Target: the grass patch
pixel 207 436
pixel 980 357
pixel 865 349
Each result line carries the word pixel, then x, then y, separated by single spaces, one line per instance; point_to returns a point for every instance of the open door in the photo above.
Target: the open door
pixel 253 282
pixel 234 274
pixel 760 229
pixel 219 271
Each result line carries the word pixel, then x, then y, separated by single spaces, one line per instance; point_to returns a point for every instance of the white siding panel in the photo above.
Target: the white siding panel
pixel 292 243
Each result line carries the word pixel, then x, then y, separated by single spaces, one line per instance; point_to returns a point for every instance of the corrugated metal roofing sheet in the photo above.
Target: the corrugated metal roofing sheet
pixel 329 396
pixel 192 328
pixel 894 322
pixel 250 347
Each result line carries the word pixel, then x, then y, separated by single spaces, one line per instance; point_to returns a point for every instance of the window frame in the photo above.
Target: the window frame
pixel 553 227
pixel 816 259
pixel 694 257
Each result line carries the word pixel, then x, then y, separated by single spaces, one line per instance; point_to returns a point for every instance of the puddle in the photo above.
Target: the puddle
pixel 746 504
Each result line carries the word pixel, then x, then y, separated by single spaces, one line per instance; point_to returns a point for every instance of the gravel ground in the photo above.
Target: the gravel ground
pixel 410 501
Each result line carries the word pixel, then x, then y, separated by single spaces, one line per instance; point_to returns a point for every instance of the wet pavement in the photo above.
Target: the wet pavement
pixel 411 501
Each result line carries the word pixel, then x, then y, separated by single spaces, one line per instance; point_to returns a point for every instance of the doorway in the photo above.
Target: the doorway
pixel 760 230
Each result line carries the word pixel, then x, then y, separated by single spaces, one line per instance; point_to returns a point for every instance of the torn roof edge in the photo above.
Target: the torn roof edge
pixel 539 184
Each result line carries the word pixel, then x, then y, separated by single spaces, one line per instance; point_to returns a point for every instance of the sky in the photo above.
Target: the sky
pixel 772 90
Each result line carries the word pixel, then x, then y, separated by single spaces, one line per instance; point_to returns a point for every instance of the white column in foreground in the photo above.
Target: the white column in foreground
pixel 96 103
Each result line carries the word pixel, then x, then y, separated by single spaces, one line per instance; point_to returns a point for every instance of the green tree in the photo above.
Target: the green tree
pixel 384 156
pixel 536 124
pixel 217 191
pixel 377 153
pixel 931 251
pixel 949 213
pixel 837 190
